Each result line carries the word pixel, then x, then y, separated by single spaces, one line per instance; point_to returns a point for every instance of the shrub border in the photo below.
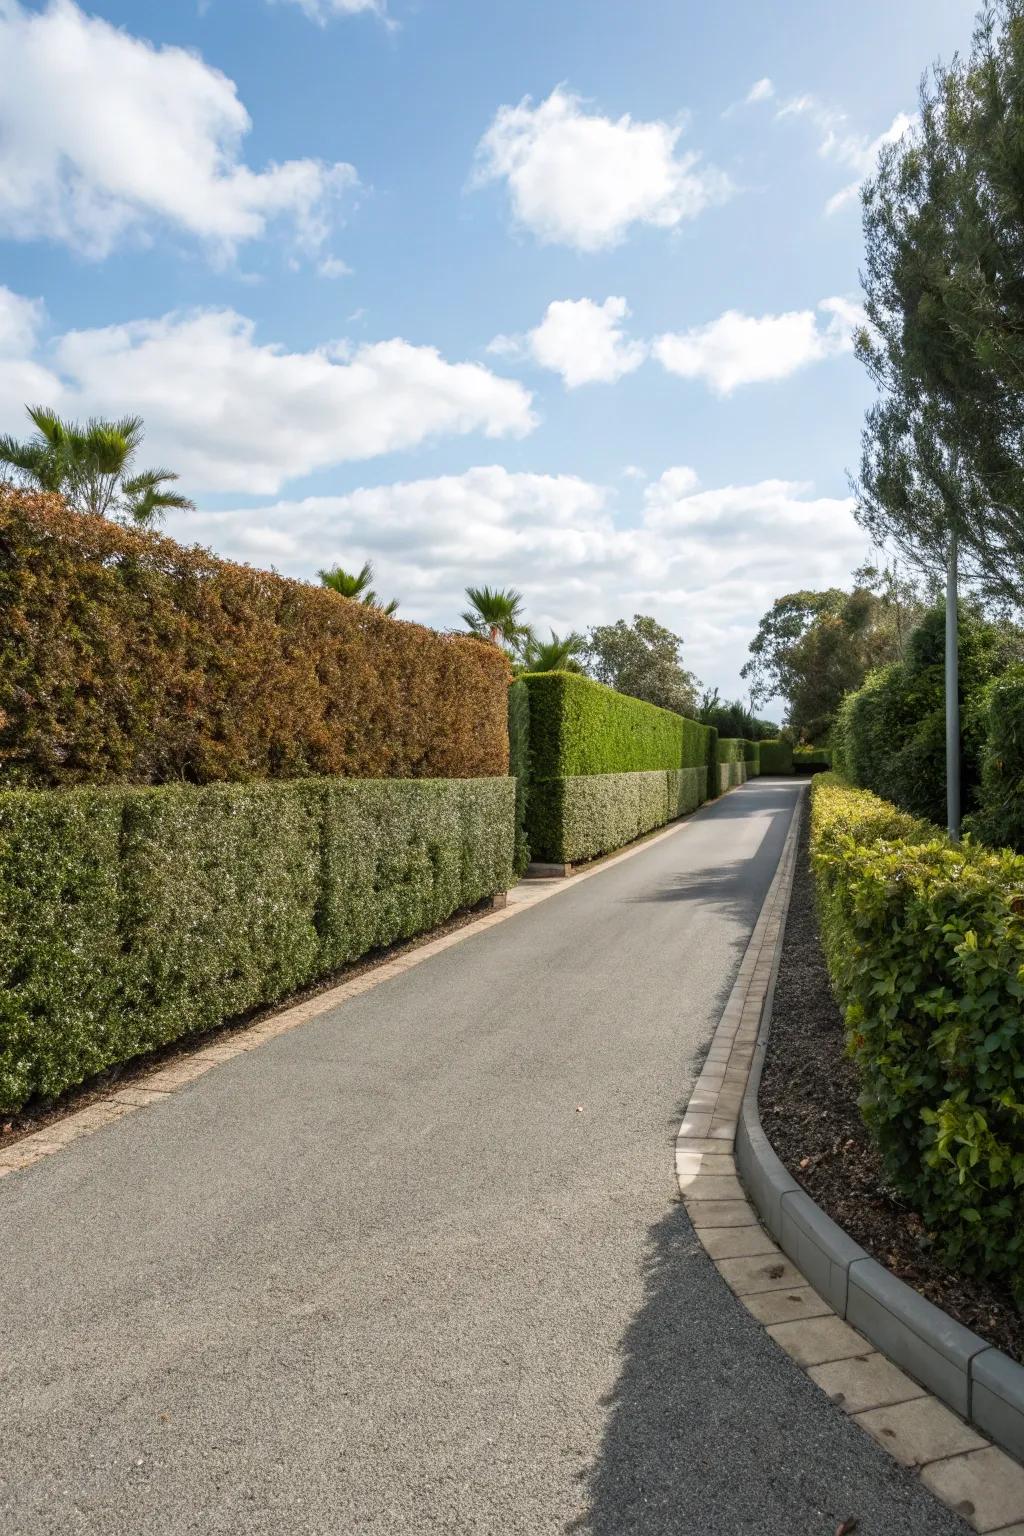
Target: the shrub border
pixel 981 1383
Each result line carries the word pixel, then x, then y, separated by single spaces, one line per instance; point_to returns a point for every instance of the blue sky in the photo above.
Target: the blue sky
pixel 547 292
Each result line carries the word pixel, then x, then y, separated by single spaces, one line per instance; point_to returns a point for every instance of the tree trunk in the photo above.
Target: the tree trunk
pixel 952 696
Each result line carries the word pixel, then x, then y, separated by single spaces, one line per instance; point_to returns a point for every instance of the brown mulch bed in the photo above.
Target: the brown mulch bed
pixel 38 1113
pixel 808 1104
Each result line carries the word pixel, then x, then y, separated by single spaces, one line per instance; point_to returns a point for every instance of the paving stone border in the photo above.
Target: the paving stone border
pixel 837 1312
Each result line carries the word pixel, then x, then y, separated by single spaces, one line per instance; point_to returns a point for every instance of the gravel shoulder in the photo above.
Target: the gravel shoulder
pixel 808 1106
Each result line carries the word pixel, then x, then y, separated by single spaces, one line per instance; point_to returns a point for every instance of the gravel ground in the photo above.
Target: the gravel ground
pixel 808 1104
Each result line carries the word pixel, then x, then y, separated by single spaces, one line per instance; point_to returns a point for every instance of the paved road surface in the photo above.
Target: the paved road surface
pixel 381 1276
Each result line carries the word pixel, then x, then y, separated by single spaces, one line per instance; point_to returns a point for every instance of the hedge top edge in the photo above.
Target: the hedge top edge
pixel 126 657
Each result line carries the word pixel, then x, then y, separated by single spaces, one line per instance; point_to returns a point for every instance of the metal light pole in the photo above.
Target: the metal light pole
pixel 952 696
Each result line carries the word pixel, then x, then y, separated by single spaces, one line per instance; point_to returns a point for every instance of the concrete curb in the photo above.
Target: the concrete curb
pixel 839 1315
pixel 980 1383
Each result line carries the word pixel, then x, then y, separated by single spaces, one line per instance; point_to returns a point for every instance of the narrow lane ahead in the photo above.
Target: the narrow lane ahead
pixel 419 1265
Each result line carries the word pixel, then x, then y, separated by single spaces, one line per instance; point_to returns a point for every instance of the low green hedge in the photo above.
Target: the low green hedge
pixel 925 946
pixel 131 917
pixel 580 727
pixel 811 759
pixel 519 766
pixel 776 756
pixel 579 817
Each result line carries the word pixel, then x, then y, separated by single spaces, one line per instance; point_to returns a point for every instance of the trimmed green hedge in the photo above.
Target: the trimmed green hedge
pixel 605 768
pixel 519 766
pixel 925 946
pixel 579 817
pixel 776 756
pixel 131 917
pixel 579 727
pixel 811 759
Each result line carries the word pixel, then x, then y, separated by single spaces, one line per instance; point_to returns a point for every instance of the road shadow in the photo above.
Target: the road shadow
pixel 713 1432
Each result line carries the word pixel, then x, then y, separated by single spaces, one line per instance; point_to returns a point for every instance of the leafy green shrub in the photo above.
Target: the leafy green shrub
pixel 125 657
pixel 579 817
pixel 130 917
pixel 1000 821
pixel 738 760
pixel 925 946
pixel 891 733
pixel 811 759
pixel 776 756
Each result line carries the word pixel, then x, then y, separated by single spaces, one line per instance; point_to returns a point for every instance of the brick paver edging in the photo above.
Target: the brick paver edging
pixel 806 1281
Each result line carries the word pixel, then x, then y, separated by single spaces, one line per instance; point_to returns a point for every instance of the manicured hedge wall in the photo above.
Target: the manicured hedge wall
pixel 577 818
pixel 131 917
pixel 127 657
pixel 811 759
pixel 578 727
pixel 519 765
pixel 925 945
pixel 606 768
pixel 776 756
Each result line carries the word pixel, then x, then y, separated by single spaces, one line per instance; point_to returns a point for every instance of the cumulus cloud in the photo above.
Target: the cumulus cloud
pixel 583 341
pixel 739 349
pixel 104 136
pixel 23 381
pixel 854 152
pixel 231 413
pixel 579 179
pixel 707 562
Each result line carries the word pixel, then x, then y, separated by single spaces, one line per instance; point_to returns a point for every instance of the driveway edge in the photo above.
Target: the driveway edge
pixel 844 1318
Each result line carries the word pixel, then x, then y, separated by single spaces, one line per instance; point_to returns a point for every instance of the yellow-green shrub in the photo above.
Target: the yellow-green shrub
pixel 925 946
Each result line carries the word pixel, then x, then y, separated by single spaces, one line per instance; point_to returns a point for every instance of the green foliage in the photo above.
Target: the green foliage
pixel 813 647
pixel 577 818
pixel 496 614
pixel 355 585
pixel 643 659
pixel 738 761
pixel 944 235
pixel 582 738
pixel 132 917
pixel 562 653
pixel 1000 821
pixel 125 657
pixel 90 465
pixel 925 946
pixel 776 756
pixel 890 735
pixel 578 727
pixel 519 766
pixel 733 718
pixel 811 759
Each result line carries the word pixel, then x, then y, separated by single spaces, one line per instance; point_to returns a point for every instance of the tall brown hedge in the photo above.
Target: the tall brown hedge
pixel 127 657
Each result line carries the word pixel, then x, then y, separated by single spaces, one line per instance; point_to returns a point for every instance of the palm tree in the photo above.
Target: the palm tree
pixel 88 465
pixel 562 653
pixel 496 613
pixel 357 587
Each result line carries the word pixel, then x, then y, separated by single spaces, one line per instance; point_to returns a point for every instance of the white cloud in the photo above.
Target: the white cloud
pixel 230 413
pixel 706 562
pixel 23 381
pixel 103 136
pixel 741 349
pixel 761 90
pixel 581 340
pixel 579 179
pixel 855 152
